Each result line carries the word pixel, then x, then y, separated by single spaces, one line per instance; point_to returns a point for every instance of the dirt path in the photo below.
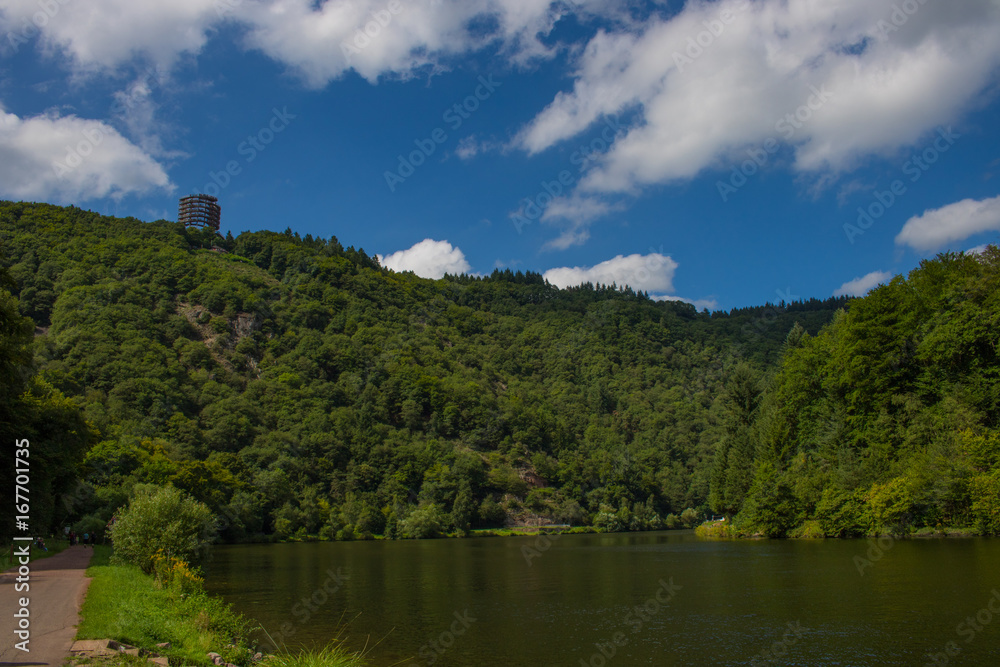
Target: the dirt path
pixel 57 588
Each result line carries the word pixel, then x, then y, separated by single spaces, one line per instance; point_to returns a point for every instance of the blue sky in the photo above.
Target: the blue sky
pixel 718 152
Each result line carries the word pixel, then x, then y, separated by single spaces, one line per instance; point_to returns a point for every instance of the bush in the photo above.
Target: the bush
pixel 840 513
pixel 690 517
pixel 608 520
pixel 985 493
pixel 162 521
pixel 717 529
pixel 809 530
pixel 175 575
pixel 890 507
pixel 427 520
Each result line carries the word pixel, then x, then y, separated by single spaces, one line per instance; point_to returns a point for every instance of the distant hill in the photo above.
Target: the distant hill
pixel 299 388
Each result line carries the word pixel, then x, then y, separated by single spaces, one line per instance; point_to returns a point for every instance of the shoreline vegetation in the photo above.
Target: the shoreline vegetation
pixel 169 613
pixel 811 530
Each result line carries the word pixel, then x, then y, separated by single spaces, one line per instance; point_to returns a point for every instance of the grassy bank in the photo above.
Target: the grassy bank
pixel 134 608
pixel 127 605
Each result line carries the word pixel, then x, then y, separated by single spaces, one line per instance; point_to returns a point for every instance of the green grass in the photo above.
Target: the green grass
pixel 810 530
pixel 116 660
pixel 125 604
pixel 331 656
pixel 717 529
pixel 7 561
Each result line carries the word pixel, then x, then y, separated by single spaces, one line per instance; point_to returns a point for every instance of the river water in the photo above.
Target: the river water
pixel 666 598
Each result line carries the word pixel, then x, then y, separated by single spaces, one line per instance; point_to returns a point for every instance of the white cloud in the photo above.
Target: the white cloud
pixel 955 222
pixel 701 107
pixel 110 33
pixel 863 285
pixel 467 148
pixel 652 273
pixel 428 259
pixel 978 250
pixel 71 159
pixel 470 146
pixel 320 39
pixel 574 215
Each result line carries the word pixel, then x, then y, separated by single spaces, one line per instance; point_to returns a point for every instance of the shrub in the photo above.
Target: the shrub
pixel 717 529
pixel 175 575
pixel 809 530
pixel 608 520
pixel 690 517
pixel 840 513
pixel 890 506
pixel 427 520
pixel 162 520
pixel 985 493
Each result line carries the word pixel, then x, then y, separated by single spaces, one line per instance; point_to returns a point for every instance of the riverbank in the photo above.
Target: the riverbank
pixel 810 530
pixel 172 615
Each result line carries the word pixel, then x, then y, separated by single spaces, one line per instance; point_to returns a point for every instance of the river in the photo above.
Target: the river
pixel 665 598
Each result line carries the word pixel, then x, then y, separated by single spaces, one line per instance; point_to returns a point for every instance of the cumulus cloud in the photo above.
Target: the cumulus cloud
pixel 955 222
pixel 428 259
pixel 321 40
pixel 652 273
pixel 831 81
pixel 863 285
pixel 110 33
pixel 71 159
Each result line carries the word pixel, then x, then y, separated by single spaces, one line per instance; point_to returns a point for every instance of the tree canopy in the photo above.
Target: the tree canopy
pixel 296 387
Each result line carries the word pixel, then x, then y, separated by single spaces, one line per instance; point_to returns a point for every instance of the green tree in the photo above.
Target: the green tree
pixel 162 519
pixel 426 520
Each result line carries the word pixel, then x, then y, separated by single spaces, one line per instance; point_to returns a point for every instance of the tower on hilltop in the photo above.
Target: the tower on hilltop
pixel 200 211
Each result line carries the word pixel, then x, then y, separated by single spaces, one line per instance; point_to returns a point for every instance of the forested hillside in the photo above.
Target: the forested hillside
pixel 887 421
pixel 298 388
